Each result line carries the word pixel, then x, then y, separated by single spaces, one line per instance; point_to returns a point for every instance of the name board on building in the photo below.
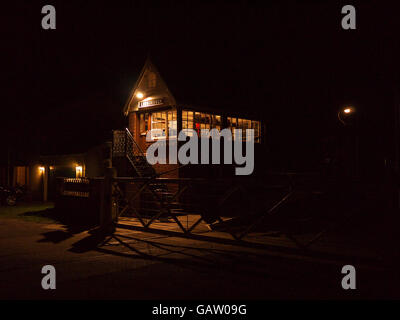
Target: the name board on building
pixel 150 103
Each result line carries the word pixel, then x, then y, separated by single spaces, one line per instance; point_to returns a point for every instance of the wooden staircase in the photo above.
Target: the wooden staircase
pixel 131 161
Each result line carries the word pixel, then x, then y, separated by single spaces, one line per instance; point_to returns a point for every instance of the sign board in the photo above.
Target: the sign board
pixel 150 103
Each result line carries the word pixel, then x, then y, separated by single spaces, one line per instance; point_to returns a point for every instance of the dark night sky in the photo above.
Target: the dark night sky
pixel 291 62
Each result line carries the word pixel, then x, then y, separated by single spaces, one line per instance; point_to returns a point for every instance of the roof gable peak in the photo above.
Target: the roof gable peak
pixel 149 87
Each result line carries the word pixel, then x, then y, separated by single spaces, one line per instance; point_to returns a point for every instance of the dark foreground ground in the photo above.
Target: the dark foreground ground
pixel 138 265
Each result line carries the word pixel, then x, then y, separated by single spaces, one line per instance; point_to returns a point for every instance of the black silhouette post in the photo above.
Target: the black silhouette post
pixel 108 205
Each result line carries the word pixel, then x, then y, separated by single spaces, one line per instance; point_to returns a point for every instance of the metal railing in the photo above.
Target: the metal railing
pixel 210 201
pixel 136 156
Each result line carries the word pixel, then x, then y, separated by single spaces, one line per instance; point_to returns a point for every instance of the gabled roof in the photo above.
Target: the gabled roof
pixel 148 66
pixel 203 85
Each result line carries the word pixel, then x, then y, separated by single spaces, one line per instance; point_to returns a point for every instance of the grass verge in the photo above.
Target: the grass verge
pixel 32 211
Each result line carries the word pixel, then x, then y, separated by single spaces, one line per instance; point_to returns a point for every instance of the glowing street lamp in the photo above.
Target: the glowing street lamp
pixel 347 111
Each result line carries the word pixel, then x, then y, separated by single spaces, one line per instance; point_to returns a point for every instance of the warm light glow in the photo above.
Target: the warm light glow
pixel 78 171
pixel 51 168
pixel 346 114
pixel 139 95
pixel 41 170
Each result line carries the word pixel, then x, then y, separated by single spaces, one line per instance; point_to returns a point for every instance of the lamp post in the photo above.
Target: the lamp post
pixel 347 116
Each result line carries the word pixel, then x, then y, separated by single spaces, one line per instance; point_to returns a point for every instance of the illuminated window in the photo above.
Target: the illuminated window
pixel 197 122
pixel 234 123
pixel 246 125
pixel 201 121
pixel 257 131
pixel 187 121
pixel 206 120
pixel 216 122
pixel 172 124
pixel 20 177
pixel 240 123
pixel 158 125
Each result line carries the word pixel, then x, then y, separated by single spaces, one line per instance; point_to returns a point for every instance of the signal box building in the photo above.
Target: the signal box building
pixel 152 107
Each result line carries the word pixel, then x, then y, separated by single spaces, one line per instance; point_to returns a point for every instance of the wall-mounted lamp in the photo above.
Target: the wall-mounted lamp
pixel 78 170
pixel 139 95
pixel 41 170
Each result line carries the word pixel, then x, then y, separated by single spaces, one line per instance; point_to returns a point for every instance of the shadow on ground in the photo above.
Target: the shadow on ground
pixel 72 223
pixel 240 263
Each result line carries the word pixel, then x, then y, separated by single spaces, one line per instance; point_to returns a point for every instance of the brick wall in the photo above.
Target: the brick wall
pixel 133 125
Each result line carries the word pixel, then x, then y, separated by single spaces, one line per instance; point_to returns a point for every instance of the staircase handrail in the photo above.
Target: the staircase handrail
pixel 134 142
